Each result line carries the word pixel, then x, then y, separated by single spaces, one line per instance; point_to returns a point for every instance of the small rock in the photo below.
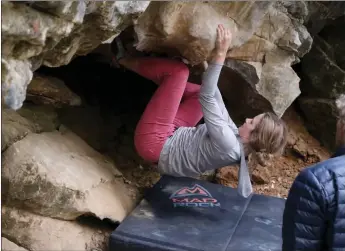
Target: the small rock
pixel 261 175
pixel 48 90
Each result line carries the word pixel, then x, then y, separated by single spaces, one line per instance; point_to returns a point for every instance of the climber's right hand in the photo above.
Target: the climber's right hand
pixel 223 40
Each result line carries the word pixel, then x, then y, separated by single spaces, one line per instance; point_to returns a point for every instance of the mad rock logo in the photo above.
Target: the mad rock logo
pixel 197 196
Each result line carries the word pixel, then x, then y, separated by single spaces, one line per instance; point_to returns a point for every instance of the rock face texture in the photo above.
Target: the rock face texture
pixel 323 79
pixel 320 13
pixel 29 119
pixel 47 90
pixel 36 232
pixel 51 178
pixel 7 245
pixel 56 174
pixel 52 33
pixel 268 38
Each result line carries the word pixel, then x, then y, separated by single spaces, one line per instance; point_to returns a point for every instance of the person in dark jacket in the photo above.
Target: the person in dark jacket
pixel 314 215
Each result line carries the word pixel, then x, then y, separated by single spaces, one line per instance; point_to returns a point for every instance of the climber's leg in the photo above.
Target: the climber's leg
pixel 165 111
pixel 189 112
pixel 157 121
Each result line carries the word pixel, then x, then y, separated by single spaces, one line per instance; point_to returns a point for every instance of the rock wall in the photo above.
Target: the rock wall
pixel 7 245
pixel 50 178
pixel 36 232
pixel 51 33
pixel 268 37
pixel 323 72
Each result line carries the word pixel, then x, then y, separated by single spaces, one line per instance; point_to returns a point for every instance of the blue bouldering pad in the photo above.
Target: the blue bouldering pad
pixel 185 214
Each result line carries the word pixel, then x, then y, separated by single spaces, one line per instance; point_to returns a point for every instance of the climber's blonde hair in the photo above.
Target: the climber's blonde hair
pixel 269 135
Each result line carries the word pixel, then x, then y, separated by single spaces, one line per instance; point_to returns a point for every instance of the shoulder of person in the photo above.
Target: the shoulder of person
pixel 319 175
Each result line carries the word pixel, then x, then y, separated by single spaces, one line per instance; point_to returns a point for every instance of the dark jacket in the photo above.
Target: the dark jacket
pixel 314 215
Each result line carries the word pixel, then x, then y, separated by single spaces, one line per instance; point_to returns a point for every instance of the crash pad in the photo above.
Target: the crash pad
pixel 193 215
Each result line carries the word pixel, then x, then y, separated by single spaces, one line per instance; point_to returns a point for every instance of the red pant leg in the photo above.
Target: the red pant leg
pixel 157 121
pixel 189 112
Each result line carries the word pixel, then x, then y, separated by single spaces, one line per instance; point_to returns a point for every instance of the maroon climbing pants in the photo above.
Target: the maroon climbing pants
pixel 174 104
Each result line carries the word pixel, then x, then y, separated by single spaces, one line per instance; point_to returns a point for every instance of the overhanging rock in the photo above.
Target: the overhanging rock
pixel 269 36
pixel 53 33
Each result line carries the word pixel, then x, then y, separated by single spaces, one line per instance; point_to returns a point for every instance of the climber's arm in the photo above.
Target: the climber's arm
pixel 225 113
pixel 220 133
pixel 220 102
pixel 215 121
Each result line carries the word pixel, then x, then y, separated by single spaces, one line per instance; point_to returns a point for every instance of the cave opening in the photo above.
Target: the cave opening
pixel 113 100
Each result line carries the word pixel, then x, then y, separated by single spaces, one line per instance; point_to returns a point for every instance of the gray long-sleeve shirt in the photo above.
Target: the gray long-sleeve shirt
pixel 191 151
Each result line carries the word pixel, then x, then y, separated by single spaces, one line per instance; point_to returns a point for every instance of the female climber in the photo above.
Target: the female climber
pixel 167 134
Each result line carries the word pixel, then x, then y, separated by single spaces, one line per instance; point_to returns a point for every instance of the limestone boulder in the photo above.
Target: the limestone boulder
pixel 190 28
pixel 323 68
pixel 7 245
pixel 53 33
pixel 323 80
pixel 14 128
pixel 57 174
pixel 15 77
pixel 29 119
pixel 268 37
pixel 321 119
pixel 321 13
pixel 35 232
pixel 46 90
